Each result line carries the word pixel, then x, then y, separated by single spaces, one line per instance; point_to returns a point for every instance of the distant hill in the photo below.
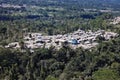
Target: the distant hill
pixel 117 2
pixel 82 3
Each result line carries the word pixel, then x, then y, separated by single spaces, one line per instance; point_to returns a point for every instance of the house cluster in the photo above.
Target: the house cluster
pixel 12 6
pixel 75 40
pixel 116 21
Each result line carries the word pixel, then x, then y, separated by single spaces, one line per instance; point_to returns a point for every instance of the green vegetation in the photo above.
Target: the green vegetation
pixel 102 62
pixel 50 17
pixel 106 74
pixel 58 17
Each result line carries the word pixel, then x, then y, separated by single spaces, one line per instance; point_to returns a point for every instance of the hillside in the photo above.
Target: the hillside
pixel 59 40
pixel 82 3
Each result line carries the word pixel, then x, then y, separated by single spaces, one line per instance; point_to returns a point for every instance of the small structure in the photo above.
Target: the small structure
pixel 13 45
pixel 74 41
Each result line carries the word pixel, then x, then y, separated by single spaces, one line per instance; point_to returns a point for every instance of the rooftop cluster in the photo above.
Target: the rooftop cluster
pixel 76 39
pixel 11 6
pixel 116 20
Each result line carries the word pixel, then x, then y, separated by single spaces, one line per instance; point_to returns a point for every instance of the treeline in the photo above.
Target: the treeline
pixel 12 28
pixel 103 4
pixel 85 4
pixel 48 19
pixel 102 62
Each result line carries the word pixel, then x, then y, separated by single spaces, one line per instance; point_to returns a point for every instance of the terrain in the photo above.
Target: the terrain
pixel 59 17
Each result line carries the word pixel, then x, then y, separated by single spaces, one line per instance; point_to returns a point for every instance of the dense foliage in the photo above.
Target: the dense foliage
pixel 102 62
pixel 50 17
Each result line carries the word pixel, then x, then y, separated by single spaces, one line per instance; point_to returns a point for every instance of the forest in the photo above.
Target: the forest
pixel 102 62
pixel 51 17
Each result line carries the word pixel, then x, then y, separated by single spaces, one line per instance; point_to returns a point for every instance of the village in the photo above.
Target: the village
pixel 116 20
pixel 11 6
pixel 75 40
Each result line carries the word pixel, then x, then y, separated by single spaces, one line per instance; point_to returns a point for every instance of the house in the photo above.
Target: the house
pixel 73 41
pixel 13 45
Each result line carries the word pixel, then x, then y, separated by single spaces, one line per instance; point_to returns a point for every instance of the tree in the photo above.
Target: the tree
pixel 106 74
